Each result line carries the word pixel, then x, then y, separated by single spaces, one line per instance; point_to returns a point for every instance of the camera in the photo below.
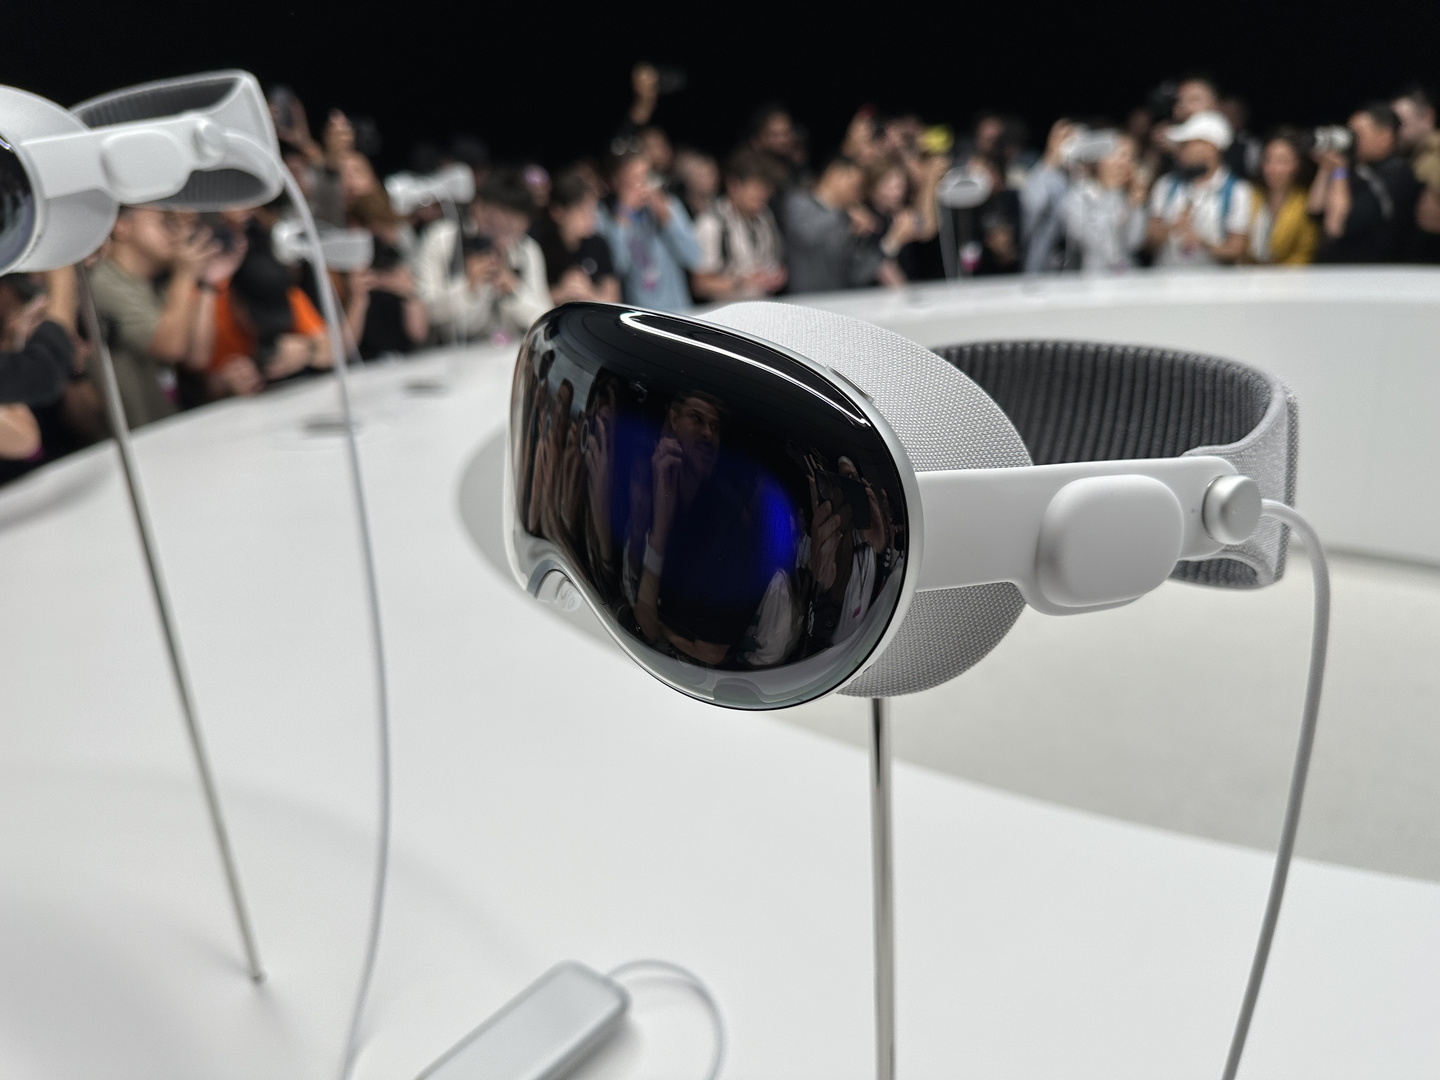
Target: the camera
pixel 963 188
pixel 1331 139
pixel 476 245
pixel 367 136
pixel 1085 147
pixel 25 286
pixel 387 256
pixel 1161 101
pixel 669 80
pixel 841 491
pixel 282 104
pixel 219 231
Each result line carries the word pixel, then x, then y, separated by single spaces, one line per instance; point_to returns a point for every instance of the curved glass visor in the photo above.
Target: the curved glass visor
pixel 17 207
pixel 733 517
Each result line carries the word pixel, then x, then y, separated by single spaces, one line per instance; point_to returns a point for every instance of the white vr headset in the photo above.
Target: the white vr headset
pixel 454 184
pixel 345 250
pixel 778 502
pixel 962 188
pixel 204 142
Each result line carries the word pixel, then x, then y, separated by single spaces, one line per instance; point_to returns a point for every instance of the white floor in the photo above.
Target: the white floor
pixel 552 803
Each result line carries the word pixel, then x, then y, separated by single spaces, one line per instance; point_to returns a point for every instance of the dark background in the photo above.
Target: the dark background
pixel 551 82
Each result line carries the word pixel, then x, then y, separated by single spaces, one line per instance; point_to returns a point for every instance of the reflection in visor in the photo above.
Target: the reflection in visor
pixel 17 207
pixel 722 505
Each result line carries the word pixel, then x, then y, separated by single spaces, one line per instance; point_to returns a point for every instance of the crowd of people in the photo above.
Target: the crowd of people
pixel 195 308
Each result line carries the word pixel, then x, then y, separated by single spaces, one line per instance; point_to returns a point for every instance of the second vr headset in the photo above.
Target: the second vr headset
pixel 204 142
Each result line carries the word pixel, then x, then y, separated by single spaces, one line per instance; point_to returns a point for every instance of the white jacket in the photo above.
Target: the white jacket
pixel 1104 224
pixel 479 312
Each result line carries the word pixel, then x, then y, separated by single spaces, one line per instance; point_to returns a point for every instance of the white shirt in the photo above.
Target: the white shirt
pixel 1104 224
pixel 774 624
pixel 479 312
pixel 859 591
pixel 1205 200
pixel 731 243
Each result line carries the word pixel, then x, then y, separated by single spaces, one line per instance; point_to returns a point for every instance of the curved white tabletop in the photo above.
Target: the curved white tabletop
pixel 552 802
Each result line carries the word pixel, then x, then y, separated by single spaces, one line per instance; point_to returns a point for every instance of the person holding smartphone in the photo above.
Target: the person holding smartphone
pixel 650 237
pixel 156 287
pixel 742 250
pixel 486 281
pixel 578 263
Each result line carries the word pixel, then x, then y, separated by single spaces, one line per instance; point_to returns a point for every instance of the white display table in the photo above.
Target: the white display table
pixel 553 802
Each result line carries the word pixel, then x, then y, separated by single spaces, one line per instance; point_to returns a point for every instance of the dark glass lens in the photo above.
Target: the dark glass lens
pixel 17 207
pixel 736 519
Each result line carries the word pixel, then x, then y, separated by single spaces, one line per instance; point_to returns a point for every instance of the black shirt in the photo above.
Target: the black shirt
pixel 384 333
pixel 1382 215
pixel 921 260
pixel 592 256
pixel 37 374
pixel 714 575
pixel 34 376
pixel 1000 211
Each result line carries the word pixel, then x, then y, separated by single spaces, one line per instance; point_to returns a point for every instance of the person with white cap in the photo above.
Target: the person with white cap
pixel 1200 213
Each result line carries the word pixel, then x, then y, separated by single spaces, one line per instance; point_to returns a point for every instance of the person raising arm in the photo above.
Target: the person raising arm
pixel 153 333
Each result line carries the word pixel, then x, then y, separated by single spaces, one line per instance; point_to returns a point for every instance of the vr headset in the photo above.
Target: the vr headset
pixel 205 142
pixel 453 184
pixel 776 503
pixel 345 250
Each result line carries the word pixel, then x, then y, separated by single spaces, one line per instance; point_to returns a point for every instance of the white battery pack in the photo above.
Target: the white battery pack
pixel 542 1034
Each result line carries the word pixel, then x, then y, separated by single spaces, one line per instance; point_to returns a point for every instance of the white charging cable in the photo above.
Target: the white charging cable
pixel 1319 645
pixel 372 597
pixel 664 969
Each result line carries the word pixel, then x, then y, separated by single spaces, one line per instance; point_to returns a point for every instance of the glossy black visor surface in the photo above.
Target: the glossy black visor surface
pixel 735 519
pixel 17 207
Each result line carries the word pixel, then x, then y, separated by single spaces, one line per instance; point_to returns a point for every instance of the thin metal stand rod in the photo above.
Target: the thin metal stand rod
pixel 949 255
pixel 121 429
pixel 882 866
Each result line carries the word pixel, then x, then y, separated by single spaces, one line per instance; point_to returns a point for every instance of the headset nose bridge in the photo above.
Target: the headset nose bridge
pixel 557 589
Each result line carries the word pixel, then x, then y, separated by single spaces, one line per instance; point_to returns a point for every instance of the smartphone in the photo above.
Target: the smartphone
pixel 282 101
pixel 367 135
pixel 476 245
pixel 25 286
pixel 219 231
pixel 669 80
pixel 387 257
pixel 841 490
